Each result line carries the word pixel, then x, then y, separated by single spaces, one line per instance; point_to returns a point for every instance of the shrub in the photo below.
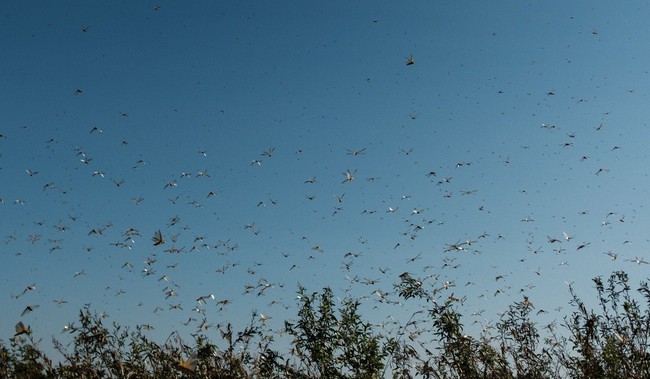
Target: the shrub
pixel 335 342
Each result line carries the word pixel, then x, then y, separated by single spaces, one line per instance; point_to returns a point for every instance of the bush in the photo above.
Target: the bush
pixel 335 342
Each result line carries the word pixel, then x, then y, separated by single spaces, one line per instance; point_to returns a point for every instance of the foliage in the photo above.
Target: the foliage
pixel 614 342
pixel 333 347
pixel 330 341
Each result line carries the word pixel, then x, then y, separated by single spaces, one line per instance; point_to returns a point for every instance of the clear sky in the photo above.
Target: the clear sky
pixel 283 143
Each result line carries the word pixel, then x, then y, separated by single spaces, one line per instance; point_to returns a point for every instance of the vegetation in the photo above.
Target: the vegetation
pixel 327 341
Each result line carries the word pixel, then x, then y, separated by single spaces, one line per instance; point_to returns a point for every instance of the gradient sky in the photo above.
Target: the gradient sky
pixel 518 122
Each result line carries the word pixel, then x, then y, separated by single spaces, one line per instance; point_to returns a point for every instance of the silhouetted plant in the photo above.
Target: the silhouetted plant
pixel 334 347
pixel 463 356
pixel 25 360
pixel 519 342
pixel 614 342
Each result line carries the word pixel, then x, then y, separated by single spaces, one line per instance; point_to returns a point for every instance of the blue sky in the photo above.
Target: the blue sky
pixel 194 94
